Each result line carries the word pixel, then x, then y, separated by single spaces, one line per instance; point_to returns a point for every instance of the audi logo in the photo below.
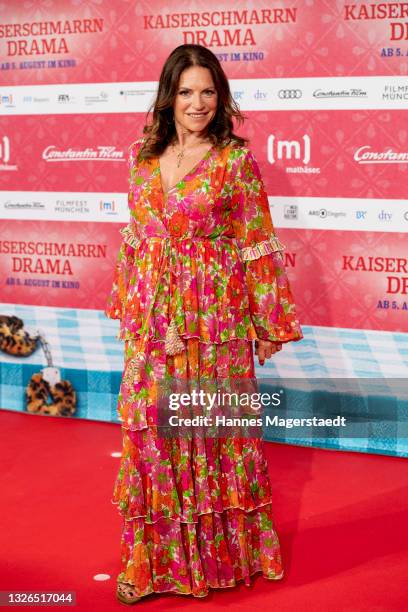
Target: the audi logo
pixel 289 94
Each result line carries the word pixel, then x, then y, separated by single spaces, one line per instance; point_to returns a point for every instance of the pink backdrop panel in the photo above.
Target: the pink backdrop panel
pixel 30 263
pixel 333 144
pixel 35 140
pixel 123 41
pixel 342 279
pixel 349 278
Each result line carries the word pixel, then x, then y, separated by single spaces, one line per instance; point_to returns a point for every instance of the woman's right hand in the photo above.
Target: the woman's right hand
pixel 264 349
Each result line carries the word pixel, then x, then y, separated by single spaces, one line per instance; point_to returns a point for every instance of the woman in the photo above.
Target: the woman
pixel 199 276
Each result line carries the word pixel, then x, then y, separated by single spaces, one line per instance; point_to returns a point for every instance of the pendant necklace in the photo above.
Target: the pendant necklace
pixel 180 155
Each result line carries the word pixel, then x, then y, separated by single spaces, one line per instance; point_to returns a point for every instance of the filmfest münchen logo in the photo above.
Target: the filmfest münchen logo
pixel 72 207
pixel 395 93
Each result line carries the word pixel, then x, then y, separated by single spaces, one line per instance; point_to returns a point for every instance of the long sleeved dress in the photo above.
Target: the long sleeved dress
pixel 199 276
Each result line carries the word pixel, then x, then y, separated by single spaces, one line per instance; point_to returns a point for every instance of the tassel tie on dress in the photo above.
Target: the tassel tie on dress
pixel 173 343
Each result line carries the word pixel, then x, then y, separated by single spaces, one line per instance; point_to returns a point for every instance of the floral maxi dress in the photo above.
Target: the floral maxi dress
pixel 199 276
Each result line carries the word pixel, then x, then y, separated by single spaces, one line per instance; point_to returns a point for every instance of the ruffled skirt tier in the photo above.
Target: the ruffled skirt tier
pixel 197 513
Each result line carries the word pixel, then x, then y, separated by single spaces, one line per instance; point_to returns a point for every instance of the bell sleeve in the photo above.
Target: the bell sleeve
pixel 116 301
pixel 271 302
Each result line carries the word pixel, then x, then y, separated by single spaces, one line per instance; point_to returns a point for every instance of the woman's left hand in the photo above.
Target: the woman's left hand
pixel 265 349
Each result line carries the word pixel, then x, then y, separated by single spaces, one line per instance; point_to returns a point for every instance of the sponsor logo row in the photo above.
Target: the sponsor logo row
pixel 291 211
pixel 375 215
pixel 250 94
pixel 61 207
pixel 351 214
pixel 392 93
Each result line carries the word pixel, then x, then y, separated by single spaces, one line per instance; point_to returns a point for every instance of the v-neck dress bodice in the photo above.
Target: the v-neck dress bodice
pixel 193 170
pixel 202 258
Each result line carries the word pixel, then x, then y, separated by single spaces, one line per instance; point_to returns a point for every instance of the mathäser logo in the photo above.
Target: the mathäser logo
pixel 5 154
pixel 292 153
pixel 289 149
pixel 7 101
pixel 108 207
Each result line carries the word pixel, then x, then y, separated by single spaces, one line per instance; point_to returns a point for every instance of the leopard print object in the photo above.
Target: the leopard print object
pixel 13 339
pixel 62 394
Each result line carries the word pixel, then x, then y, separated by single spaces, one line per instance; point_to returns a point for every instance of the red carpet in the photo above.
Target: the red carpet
pixel 341 516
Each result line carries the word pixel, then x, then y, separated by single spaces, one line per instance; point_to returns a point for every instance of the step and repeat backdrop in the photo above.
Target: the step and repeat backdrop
pixel 323 85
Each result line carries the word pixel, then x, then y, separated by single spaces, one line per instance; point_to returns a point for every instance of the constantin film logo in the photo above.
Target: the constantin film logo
pixel 365 155
pixel 101 153
pixel 23 205
pixel 354 92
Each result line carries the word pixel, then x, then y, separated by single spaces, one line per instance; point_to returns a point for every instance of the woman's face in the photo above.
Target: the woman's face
pixel 196 100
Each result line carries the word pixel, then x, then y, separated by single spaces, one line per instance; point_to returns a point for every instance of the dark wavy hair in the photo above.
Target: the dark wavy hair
pixel 161 131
